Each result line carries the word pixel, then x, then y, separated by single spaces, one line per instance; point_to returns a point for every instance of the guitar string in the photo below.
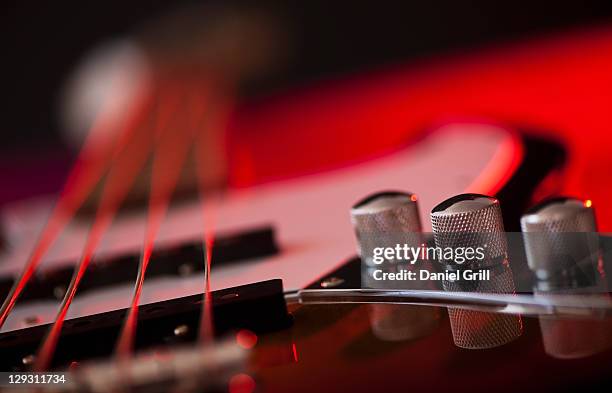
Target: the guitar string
pixel 91 164
pixel 206 327
pixel 160 198
pixel 113 194
pixel 171 151
pixel 117 184
pixel 214 120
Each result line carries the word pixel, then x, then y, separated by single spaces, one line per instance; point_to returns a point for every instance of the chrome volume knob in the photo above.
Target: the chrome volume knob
pixel 475 221
pixel 562 243
pixel 385 219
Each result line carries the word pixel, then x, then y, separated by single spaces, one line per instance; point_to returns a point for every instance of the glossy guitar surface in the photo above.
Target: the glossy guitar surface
pixel 287 212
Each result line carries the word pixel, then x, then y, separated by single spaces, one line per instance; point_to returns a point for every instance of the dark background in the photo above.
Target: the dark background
pixel 42 41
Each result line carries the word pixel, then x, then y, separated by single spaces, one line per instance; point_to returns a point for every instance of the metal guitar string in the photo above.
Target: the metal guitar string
pixel 119 180
pixel 94 159
pixel 170 152
pixel 214 117
pixel 122 161
pixel 206 328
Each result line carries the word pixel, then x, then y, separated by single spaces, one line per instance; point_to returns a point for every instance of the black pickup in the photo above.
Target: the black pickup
pixel 259 307
pixel 184 259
